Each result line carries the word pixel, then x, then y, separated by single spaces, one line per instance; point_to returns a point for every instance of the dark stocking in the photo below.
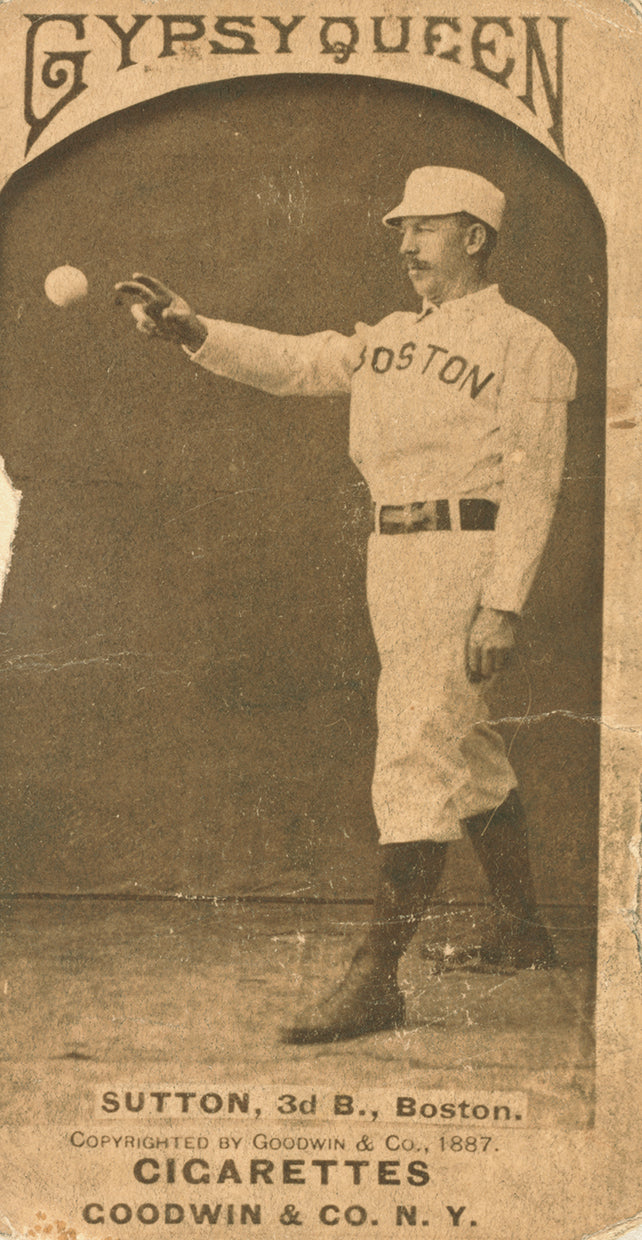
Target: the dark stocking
pixel 408 877
pixel 500 840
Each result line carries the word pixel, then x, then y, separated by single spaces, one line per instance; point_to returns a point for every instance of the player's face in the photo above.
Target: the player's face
pixel 434 253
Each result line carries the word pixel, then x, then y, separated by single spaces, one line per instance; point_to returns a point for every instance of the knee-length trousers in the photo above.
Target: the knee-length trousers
pixel 438 759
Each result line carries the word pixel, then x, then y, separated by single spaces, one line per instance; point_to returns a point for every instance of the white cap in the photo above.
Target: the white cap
pixel 447 191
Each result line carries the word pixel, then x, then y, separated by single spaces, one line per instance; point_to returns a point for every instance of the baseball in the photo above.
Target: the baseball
pixel 66 285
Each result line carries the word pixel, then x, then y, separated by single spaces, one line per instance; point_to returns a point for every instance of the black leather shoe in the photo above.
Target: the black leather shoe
pixel 527 946
pixel 367 1001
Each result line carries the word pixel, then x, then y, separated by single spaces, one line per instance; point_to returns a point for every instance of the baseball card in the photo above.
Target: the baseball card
pixel 321 444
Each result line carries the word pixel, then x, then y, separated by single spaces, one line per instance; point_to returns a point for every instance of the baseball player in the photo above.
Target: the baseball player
pixel 457 423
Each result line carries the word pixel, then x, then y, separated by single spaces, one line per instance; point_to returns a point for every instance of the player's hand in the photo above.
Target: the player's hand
pixel 160 312
pixel 490 644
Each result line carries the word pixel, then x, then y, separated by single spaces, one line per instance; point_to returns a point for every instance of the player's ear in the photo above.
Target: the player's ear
pixel 475 237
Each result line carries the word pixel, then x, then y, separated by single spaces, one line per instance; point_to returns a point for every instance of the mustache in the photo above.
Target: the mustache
pixel 415 264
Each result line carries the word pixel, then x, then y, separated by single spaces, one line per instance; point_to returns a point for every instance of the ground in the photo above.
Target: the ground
pixel 99 989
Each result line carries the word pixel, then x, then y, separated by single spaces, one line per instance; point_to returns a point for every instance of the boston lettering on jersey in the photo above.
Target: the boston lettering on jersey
pixel 451 368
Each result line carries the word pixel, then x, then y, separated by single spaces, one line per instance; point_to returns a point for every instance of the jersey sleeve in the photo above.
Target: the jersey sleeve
pixel 321 364
pixel 539 381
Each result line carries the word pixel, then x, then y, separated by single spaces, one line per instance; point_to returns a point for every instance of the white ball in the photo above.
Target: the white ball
pixel 65 285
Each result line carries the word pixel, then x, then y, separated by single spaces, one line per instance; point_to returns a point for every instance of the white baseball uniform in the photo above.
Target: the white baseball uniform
pixel 464 400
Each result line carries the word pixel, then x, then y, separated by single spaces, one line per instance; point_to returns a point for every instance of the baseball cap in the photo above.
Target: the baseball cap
pixel 446 191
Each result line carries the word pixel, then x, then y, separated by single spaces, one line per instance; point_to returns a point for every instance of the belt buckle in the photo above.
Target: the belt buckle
pixel 427 514
pixel 416 517
pixel 410 517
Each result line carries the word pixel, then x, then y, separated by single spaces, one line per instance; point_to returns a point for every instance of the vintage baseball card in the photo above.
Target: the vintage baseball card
pixel 321 439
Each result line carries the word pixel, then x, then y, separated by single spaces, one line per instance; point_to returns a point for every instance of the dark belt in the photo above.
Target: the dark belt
pixel 434 514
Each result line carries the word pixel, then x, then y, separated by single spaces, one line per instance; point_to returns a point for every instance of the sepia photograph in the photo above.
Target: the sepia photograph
pixel 310 570
pixel 303 426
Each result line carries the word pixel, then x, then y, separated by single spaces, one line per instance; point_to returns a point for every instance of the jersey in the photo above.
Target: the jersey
pixel 465 399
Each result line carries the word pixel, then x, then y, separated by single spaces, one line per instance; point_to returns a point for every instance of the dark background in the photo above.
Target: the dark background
pixel 187 669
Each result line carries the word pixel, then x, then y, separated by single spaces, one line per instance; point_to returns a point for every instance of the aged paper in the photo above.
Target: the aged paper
pixel 201 604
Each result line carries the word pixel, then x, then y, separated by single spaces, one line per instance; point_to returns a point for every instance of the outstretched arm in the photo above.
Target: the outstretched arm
pixel 321 364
